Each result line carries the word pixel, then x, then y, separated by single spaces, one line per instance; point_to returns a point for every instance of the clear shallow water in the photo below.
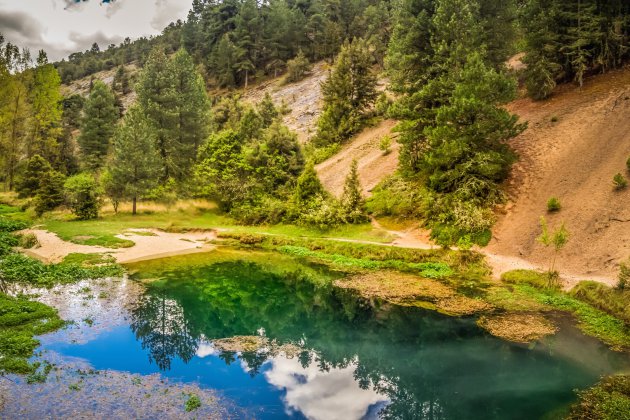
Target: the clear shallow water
pixel 356 360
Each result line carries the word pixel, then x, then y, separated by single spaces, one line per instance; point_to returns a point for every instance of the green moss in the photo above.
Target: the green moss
pixel 608 400
pixel 20 321
pixel 192 403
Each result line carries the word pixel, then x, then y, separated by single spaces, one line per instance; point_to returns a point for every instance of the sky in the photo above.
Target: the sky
pixel 61 27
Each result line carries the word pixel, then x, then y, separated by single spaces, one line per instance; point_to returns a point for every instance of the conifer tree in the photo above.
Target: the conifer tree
pixel 308 185
pixel 157 98
pixel 352 200
pixel 31 180
pixel 348 93
pixel 191 114
pixel 135 165
pixel 100 115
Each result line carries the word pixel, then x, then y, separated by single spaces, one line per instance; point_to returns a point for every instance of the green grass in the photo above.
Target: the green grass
pixel 102 231
pixel 432 270
pixel 525 289
pixel 612 301
pixel 608 400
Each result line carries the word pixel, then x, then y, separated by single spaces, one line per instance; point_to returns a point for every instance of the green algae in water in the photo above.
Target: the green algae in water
pixel 326 354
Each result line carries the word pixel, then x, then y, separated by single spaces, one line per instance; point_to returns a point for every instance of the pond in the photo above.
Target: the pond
pixel 306 350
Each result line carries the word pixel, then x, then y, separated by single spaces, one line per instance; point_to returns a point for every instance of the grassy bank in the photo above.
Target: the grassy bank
pixel 608 400
pixel 525 290
pixel 185 216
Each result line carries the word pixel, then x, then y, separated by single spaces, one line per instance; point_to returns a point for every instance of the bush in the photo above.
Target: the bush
pixel 620 182
pixel 83 196
pixel 553 205
pixel 297 68
pixel 385 145
pixel 398 197
pixel 192 403
pixel 28 241
pixel 628 164
pixel 624 276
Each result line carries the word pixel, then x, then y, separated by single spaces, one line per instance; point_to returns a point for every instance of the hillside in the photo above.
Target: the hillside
pixel 82 86
pixel 576 142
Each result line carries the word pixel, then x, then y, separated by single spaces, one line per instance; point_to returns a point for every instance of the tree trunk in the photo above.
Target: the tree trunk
pixel 133 211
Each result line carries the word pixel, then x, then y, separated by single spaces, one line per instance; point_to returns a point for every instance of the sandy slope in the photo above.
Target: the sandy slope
pixel 573 159
pixel 372 164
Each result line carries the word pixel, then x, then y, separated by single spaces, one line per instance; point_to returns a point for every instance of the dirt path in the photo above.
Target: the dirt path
pixel 373 165
pixel 575 143
pixel 149 244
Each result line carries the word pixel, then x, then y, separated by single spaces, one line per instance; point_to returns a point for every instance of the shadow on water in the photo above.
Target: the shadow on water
pixel 346 358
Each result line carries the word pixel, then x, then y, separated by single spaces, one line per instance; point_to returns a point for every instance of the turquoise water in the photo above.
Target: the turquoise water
pixel 347 359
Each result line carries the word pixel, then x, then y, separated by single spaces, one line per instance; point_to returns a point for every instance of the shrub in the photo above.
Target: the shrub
pixel 385 145
pixel 28 241
pixel 297 68
pixel 624 276
pixel 553 205
pixel 628 164
pixel 620 182
pixel 83 196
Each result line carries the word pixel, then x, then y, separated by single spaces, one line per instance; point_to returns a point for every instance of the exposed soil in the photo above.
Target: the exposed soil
pixel 303 98
pixel 149 244
pixel 575 143
pixel 373 165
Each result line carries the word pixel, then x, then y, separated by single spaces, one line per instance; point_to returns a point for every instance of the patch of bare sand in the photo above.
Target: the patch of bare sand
pixel 148 244
pixel 575 143
pixel 518 327
pixel 373 165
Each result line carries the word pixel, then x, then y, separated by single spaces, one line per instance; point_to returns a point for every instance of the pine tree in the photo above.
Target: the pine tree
pixel 352 200
pixel 348 93
pixel 135 165
pixel 308 185
pixel 157 97
pixel 51 193
pixel 191 114
pixel 31 180
pixel 267 110
pixel 100 115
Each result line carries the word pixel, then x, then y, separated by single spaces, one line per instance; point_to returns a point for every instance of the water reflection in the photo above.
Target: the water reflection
pixel 332 394
pixel 163 329
pixel 352 360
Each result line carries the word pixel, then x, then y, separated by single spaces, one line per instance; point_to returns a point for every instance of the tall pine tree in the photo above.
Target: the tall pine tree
pixel 100 115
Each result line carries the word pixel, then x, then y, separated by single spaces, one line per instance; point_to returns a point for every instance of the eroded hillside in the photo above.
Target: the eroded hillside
pixel 576 142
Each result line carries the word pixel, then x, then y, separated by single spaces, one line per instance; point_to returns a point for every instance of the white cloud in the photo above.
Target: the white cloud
pixel 64 26
pixel 330 395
